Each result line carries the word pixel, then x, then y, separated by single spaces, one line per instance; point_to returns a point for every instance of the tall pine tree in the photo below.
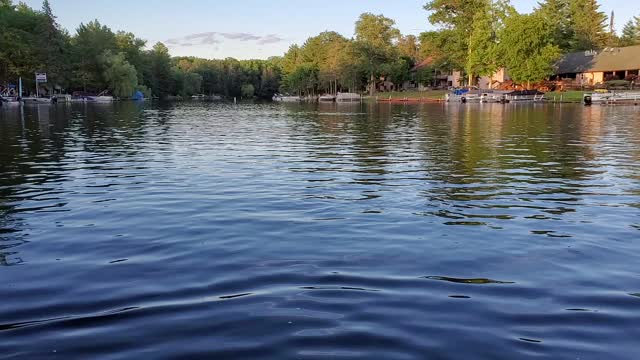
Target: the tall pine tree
pixel 556 14
pixel 589 25
pixel 52 44
pixel 631 32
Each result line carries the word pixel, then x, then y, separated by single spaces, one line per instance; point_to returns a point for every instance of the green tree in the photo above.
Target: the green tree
pixel 375 40
pixel 18 56
pixel 120 76
pixel 248 91
pixel 351 71
pixel 483 55
pixel 270 78
pixel 557 15
pixel 88 45
pixel 425 75
pixel 456 18
pixel 160 72
pixel 588 24
pixel 52 42
pixel 186 82
pixel 631 32
pixel 435 45
pixel 409 47
pixel 527 48
pixel 133 50
pixel 398 71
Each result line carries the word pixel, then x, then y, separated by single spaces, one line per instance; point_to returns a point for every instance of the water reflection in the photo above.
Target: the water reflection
pixel 186 222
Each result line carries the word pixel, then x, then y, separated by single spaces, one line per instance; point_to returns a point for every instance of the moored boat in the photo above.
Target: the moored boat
pixel 12 101
pixel 524 96
pixel 39 100
pixel 327 98
pixel 348 97
pixel 463 96
pixel 493 96
pixel 286 98
pixel 102 97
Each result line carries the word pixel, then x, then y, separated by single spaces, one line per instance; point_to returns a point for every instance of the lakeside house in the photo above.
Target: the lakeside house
pixel 581 69
pixel 452 78
pixel 588 68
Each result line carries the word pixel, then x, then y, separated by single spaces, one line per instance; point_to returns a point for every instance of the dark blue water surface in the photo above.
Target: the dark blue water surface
pixel 320 231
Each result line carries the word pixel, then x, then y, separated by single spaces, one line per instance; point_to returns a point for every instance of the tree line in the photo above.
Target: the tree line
pixel 476 37
pixel 96 58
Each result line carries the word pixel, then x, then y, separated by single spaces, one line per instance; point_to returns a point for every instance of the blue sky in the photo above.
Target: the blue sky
pixel 256 28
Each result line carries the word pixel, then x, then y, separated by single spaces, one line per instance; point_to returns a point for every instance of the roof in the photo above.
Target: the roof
pixel 424 63
pixel 608 59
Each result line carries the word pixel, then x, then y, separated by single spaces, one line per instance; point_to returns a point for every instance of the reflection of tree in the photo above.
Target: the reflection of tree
pixel 352 132
pixel 369 139
pixel 40 144
pixel 481 157
pixel 460 140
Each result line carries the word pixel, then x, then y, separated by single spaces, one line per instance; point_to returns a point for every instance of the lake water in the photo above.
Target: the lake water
pixel 320 231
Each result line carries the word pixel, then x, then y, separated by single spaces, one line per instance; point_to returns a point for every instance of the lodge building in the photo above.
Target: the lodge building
pixel 592 67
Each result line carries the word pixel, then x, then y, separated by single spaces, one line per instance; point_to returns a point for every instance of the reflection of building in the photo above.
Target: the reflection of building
pixel 593 67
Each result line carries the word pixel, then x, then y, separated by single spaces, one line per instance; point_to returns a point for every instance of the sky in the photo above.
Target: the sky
pixel 256 29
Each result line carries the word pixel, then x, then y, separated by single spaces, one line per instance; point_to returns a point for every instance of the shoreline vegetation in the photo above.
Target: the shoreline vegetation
pixel 475 37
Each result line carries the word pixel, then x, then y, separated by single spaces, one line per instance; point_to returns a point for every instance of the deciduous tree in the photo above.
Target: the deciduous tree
pixel 376 36
pixel 527 48
pixel 120 76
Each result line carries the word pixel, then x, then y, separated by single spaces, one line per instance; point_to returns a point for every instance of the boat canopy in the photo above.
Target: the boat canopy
pixel 138 95
pixel 524 93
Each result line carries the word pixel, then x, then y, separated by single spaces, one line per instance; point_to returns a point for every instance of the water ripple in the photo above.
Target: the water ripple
pixel 305 231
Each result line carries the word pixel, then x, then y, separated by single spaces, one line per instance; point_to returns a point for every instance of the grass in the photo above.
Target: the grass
pixel 566 96
pixel 429 94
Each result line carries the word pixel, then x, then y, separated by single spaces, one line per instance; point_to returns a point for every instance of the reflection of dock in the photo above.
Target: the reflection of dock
pixel 612 98
pixel 409 100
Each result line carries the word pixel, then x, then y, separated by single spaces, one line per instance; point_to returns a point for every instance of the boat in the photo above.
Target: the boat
pixel 137 96
pixel 100 99
pixel 63 98
pixel 39 100
pixel 524 96
pixel 348 97
pixel 81 96
pixel 493 96
pixel 327 98
pixel 611 98
pixel 10 101
pixel 103 97
pixel 408 100
pixel 286 98
pixel 9 98
pixel 198 97
pixel 464 95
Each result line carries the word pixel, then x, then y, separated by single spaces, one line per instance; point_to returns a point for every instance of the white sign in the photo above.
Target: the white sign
pixel 41 77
